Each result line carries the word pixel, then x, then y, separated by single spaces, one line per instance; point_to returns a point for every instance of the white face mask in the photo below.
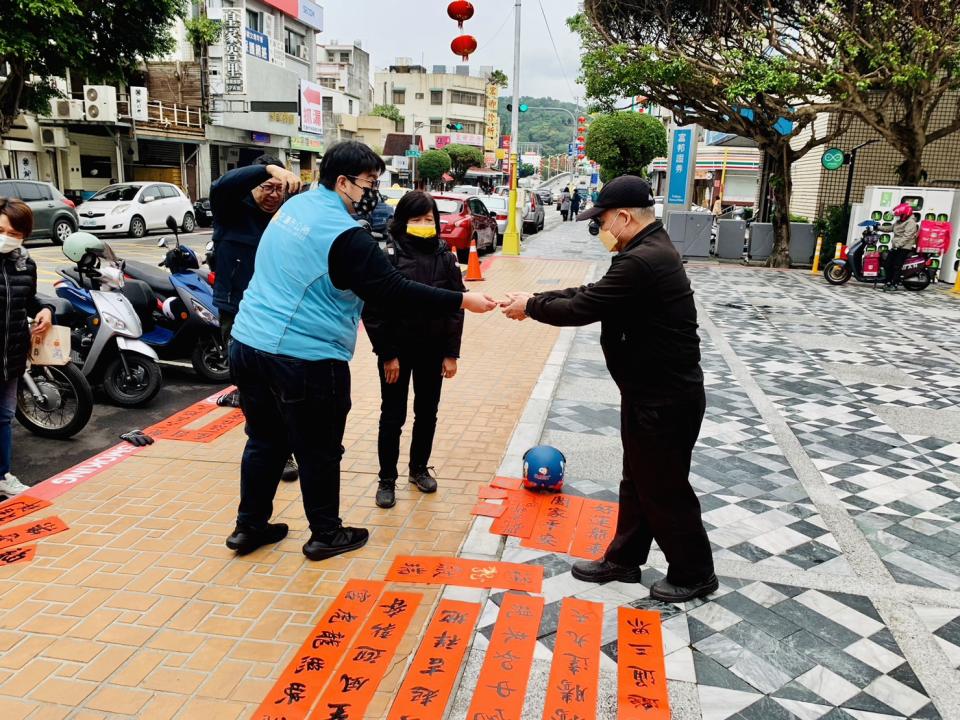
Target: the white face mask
pixel 8 243
pixel 607 237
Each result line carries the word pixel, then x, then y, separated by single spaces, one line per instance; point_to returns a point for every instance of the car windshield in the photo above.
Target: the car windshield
pixel 494 202
pixel 448 207
pixel 117 193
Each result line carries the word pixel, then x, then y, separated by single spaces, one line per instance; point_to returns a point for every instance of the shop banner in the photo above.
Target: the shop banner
pixel 234 52
pixel 311 107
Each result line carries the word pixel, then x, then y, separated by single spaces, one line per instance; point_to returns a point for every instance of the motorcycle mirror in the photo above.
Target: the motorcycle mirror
pixel 162 242
pixel 209 246
pixel 594 227
pixel 171 223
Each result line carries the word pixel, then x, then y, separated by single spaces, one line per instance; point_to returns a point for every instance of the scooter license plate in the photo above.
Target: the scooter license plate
pixel 871 273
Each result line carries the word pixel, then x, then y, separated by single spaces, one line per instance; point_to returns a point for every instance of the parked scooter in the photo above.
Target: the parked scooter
pixel 105 328
pixel 54 401
pixel 186 322
pixel 864 261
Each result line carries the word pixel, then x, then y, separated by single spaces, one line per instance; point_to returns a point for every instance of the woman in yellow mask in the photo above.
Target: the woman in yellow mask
pixel 420 348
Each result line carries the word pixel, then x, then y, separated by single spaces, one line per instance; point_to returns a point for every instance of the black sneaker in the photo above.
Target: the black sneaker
pixel 245 540
pixel 290 471
pixel 600 571
pixel 424 480
pixel 336 542
pixel 231 399
pixel 386 493
pixel 665 591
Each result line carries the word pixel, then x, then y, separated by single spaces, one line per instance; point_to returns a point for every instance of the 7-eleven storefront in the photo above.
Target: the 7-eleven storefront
pixel 735 170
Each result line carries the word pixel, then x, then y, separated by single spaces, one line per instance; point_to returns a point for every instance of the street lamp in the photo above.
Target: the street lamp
pixel 850 159
pixel 417 126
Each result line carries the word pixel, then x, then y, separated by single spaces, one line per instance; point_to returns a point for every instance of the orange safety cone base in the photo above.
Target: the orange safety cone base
pixel 473 265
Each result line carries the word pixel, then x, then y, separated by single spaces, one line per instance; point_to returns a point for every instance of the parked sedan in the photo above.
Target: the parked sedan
pixel 202 212
pixel 533 212
pixel 54 216
pixel 136 208
pixel 463 219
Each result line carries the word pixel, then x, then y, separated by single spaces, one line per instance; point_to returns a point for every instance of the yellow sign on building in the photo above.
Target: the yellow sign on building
pixel 491 139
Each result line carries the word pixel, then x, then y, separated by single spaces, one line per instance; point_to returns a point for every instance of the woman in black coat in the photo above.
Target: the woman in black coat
pixel 18 300
pixel 414 346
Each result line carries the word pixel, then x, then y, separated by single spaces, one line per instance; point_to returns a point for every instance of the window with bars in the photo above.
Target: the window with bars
pixel 436 126
pixel 399 97
pixel 464 98
pixel 436 97
pixel 469 126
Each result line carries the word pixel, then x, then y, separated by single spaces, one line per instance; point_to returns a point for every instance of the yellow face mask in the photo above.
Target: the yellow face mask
pixel 422 231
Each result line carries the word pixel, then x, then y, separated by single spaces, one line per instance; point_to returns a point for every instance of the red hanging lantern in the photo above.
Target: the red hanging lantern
pixel 581 119
pixel 580 138
pixel 460 10
pixel 581 130
pixel 463 46
pixel 581 156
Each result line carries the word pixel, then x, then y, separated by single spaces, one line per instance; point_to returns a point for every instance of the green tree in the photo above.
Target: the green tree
pixel 498 78
pixel 526 170
pixel 711 70
pixel 462 158
pixel 387 111
pixel 625 143
pixel 433 164
pixel 41 39
pixel 553 130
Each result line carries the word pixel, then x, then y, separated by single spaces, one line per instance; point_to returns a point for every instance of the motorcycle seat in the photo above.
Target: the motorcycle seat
pixel 63 310
pixel 141 296
pixel 157 278
pixel 82 280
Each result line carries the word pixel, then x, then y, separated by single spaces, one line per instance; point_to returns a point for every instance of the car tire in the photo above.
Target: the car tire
pixel 540 225
pixel 189 224
pixel 62 229
pixel 138 228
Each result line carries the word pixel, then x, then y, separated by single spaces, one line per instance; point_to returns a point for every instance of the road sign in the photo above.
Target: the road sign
pixel 833 159
pixel 412 153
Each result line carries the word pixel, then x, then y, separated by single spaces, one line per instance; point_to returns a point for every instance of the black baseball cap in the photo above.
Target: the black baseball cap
pixel 626 191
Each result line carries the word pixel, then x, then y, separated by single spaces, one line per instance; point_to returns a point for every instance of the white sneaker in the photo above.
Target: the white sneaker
pixel 11 485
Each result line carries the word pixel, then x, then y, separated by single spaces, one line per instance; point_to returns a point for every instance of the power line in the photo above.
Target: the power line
pixel 555 51
pixel 499 30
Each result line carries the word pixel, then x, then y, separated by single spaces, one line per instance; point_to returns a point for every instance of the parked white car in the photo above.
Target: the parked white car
pixel 470 190
pixel 136 208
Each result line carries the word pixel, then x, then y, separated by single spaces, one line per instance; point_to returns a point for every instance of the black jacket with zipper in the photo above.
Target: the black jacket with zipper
pixel 18 303
pixel 238 225
pixel 392 333
pixel 647 317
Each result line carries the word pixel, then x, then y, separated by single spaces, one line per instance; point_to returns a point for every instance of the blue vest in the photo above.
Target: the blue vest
pixel 291 307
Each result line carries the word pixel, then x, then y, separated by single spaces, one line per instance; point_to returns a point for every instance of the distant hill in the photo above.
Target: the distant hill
pixel 551 128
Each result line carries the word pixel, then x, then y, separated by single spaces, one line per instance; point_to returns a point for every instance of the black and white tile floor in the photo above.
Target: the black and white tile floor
pixel 868 384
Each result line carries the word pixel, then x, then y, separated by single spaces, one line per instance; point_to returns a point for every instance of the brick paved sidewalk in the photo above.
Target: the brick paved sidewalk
pixel 140 611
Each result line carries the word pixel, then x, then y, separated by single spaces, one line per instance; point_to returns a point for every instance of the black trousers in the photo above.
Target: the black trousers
pixel 425 368
pixel 297 406
pixel 893 264
pixel 656 500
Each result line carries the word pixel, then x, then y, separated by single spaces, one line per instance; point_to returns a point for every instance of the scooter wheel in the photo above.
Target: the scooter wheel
pixel 835 273
pixel 137 389
pixel 210 360
pixel 917 282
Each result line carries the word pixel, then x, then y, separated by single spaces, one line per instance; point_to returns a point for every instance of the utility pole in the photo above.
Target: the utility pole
pixel 511 238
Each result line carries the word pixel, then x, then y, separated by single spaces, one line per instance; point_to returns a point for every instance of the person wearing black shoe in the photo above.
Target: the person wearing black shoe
pixel 243 202
pixel 414 346
pixel 649 338
pixel 295 335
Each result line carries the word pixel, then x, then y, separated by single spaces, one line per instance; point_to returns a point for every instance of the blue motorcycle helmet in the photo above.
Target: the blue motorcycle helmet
pixel 543 468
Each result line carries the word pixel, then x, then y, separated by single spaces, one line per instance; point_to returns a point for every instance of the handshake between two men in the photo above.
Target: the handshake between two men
pixel 514 307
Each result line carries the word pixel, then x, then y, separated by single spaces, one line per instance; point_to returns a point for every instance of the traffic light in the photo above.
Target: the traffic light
pixel 523 107
pixel 455 126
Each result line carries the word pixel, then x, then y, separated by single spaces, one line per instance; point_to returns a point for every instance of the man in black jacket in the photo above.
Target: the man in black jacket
pixel 649 339
pixel 243 202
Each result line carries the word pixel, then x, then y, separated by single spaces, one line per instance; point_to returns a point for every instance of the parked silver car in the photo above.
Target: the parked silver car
pixel 533 212
pixel 54 216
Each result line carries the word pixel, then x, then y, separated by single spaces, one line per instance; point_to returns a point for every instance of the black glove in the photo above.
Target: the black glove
pixel 137 437
pixel 230 399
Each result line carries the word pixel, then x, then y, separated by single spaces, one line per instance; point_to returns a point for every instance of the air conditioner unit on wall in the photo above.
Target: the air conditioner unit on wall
pixel 66 109
pixel 302 52
pixel 100 103
pixel 54 137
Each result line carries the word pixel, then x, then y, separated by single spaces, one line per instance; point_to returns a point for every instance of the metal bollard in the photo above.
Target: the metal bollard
pixel 836 254
pixel 816 256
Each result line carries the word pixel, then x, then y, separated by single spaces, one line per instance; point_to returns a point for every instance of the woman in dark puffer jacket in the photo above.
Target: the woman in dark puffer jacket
pixel 18 300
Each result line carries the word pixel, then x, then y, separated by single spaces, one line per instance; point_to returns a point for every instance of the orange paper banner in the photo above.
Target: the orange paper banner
pixel 574 673
pixel 556 521
pixel 595 529
pixel 18 507
pixel 28 532
pixel 175 426
pixel 491 493
pixel 506 483
pixel 437 570
pixel 369 658
pixel 488 509
pixel 642 678
pixel 429 682
pixel 14 555
pixel 313 665
pixel 502 684
pixel 521 514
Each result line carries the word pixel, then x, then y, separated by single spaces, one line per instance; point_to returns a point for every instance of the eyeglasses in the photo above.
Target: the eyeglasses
pixel 355 178
pixel 270 189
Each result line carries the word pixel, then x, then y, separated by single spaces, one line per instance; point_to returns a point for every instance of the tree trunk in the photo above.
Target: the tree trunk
pixel 910 171
pixel 11 91
pixel 781 184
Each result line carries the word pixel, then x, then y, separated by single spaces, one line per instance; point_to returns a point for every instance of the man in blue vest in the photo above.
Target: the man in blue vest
pixel 294 337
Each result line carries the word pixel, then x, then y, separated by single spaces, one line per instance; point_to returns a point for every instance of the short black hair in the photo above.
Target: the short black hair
pixel 267 160
pixel 414 204
pixel 350 158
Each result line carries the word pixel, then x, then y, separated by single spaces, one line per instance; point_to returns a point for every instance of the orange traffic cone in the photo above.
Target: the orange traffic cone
pixel 473 264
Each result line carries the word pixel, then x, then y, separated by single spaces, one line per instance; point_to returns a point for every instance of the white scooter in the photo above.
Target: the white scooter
pixel 105 328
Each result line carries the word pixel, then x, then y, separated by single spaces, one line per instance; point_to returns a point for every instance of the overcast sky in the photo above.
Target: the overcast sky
pixel 420 29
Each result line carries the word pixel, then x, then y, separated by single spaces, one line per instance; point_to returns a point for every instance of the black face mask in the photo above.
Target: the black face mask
pixel 368 201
